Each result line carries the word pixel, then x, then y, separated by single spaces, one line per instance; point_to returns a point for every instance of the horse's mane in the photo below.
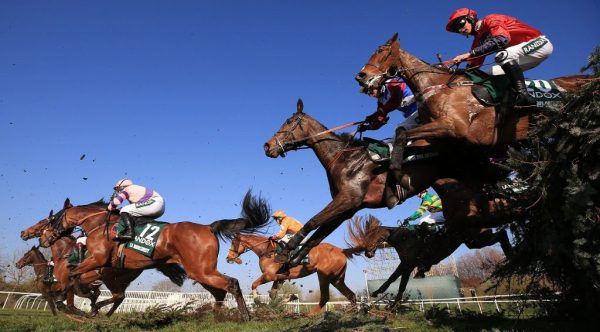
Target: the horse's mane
pixel 99 203
pixel 351 140
pixel 364 232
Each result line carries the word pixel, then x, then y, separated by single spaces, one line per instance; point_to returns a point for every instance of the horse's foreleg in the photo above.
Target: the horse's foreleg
pixel 402 288
pixel 275 288
pixel 341 208
pixel 440 128
pixel 400 269
pixel 89 264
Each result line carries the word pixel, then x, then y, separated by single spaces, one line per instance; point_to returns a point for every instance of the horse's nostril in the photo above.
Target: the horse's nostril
pixel 266 147
pixel 361 75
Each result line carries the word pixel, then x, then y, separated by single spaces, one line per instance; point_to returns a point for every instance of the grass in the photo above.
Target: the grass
pixel 273 318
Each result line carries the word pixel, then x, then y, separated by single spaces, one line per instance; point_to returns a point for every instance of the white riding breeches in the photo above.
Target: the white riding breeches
pixel 433 218
pixel 81 240
pixel 527 54
pixel 154 207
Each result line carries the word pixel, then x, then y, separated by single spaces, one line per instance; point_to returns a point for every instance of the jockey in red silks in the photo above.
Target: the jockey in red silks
pixel 144 202
pixel 394 94
pixel 520 47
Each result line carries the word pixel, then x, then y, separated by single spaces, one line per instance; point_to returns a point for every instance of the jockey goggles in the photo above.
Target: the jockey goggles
pixel 459 23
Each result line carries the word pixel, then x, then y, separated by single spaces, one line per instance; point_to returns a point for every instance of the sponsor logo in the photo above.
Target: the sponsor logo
pixel 534 45
pixel 140 248
pixel 145 241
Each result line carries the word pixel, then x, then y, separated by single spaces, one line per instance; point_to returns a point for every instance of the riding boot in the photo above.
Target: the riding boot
pixel 127 234
pixel 283 256
pixel 49 277
pixel 390 193
pixel 79 254
pixel 515 74
pixel 398 149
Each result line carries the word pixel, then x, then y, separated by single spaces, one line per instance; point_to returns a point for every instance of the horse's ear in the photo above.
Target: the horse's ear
pixel 33 248
pixel 299 106
pixel 51 214
pixel 67 204
pixel 394 37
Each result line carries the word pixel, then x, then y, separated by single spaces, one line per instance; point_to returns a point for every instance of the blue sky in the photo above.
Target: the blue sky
pixel 181 96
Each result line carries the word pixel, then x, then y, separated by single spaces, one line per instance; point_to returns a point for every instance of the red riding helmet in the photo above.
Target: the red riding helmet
pixel 462 13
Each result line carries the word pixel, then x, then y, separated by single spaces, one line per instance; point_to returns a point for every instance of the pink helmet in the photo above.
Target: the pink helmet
pixel 123 183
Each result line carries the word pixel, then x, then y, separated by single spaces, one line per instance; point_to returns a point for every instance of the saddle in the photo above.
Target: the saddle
pixel 496 90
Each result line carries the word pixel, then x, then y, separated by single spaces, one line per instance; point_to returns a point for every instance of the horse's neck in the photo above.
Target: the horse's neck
pixel 90 223
pixel 259 245
pixel 39 263
pixel 418 74
pixel 59 247
pixel 325 146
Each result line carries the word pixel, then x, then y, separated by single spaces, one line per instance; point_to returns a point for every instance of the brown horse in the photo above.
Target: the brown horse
pixel 50 292
pixel 328 261
pixel 417 250
pixel 356 182
pixel 115 280
pixel 194 246
pixel 451 110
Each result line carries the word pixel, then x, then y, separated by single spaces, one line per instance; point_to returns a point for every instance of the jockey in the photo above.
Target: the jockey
pixel 288 227
pixel 431 203
pixel 394 94
pixel 520 47
pixel 144 202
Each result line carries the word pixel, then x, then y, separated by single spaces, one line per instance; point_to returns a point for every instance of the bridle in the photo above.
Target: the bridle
pixel 247 247
pixel 59 229
pixel 294 144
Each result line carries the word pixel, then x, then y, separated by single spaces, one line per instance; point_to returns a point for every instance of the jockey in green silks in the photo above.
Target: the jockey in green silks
pixel 431 203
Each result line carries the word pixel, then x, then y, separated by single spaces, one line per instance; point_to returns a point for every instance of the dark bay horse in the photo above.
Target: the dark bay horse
pixel 36 259
pixel 450 112
pixel 194 246
pixel 356 182
pixel 328 261
pixel 416 251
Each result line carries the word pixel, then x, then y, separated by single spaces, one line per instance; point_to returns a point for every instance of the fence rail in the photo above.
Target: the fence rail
pixel 141 300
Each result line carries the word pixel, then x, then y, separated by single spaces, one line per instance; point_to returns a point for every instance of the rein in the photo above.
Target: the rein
pixel 247 247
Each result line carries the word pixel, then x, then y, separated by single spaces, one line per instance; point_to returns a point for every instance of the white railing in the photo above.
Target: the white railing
pixel 141 300
pixel 134 300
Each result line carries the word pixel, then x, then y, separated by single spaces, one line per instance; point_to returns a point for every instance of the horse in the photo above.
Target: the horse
pixel 328 261
pixel 194 246
pixel 414 250
pixel 115 280
pixel 49 292
pixel 451 111
pixel 356 182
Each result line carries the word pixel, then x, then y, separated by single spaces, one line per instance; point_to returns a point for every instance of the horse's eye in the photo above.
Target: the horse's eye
pixel 288 121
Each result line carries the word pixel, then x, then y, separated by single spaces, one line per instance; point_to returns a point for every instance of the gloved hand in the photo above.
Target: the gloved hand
pixel 374 121
pixel 406 222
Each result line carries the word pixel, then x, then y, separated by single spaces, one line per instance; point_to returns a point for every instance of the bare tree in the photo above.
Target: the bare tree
pixel 166 285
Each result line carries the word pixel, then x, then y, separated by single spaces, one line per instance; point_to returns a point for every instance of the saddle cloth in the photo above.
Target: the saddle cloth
pixel 145 236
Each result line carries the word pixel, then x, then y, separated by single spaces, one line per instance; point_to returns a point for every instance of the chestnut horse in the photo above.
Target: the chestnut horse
pixel 327 260
pixel 356 182
pixel 194 246
pixel 116 280
pixel 451 110
pixel 414 250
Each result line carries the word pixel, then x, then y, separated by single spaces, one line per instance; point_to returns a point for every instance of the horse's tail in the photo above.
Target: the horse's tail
pixel 352 251
pixel 174 272
pixel 255 215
